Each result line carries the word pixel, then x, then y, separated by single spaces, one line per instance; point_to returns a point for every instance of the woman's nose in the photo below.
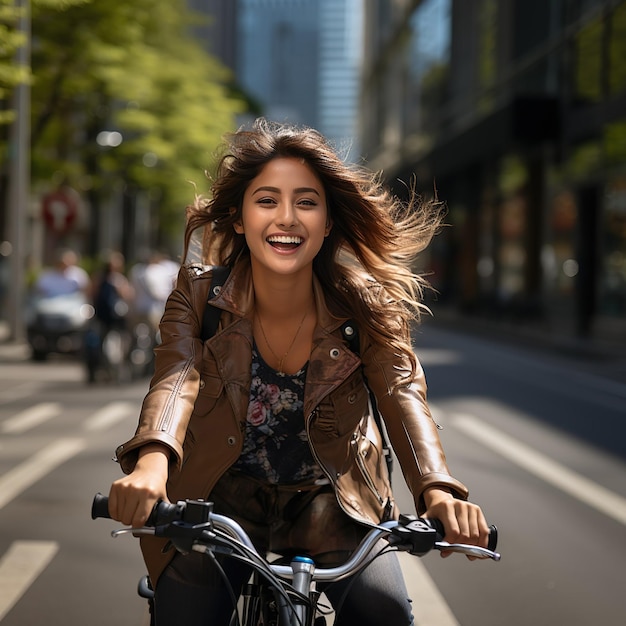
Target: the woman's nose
pixel 286 214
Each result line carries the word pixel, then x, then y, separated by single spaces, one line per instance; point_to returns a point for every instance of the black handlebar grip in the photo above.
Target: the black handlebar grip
pixel 437 525
pixel 164 513
pixel 100 506
pixel 493 532
pixel 493 538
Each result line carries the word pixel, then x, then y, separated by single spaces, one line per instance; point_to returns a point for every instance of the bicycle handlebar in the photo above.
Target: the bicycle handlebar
pixel 187 522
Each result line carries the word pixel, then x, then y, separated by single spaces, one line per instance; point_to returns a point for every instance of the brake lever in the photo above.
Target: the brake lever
pixel 477 551
pixel 136 532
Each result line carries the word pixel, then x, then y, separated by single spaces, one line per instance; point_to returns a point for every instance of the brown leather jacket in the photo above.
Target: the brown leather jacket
pixel 198 401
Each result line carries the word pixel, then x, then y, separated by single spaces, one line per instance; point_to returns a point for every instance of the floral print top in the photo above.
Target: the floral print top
pixel 276 447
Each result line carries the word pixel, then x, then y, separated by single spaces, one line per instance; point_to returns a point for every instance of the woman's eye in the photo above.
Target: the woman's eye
pixel 266 201
pixel 307 203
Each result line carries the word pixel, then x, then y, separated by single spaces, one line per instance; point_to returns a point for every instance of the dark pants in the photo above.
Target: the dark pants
pixel 286 519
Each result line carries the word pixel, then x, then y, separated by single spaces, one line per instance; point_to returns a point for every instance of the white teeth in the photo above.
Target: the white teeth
pixel 284 239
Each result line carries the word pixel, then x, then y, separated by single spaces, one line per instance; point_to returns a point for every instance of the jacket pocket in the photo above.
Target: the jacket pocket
pixel 211 387
pixel 367 460
pixel 341 412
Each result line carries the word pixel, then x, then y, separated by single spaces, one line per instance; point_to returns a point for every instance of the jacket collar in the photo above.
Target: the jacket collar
pixel 237 297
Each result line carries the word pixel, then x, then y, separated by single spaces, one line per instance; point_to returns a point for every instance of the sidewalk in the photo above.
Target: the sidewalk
pixel 11 351
pixel 595 356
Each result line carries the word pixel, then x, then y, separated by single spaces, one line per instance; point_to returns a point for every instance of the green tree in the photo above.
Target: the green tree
pixel 131 67
pixel 10 74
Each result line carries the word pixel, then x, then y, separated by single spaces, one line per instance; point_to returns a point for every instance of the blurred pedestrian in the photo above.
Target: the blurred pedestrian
pixel 64 278
pixel 108 341
pixel 113 293
pixel 152 279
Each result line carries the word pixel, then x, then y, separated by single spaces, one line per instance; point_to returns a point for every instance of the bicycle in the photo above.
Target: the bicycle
pixel 283 595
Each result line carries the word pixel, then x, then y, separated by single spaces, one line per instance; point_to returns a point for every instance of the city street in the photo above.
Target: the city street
pixel 540 440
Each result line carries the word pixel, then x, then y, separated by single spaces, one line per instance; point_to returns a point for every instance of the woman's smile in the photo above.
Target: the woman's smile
pixel 285 243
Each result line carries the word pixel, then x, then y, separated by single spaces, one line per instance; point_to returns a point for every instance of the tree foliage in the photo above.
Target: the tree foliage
pixel 133 67
pixel 11 74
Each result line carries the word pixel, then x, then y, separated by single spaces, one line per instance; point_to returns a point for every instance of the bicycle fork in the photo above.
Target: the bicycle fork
pixel 251 604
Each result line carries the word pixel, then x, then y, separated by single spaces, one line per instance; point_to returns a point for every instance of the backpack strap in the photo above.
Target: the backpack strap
pixel 211 315
pixel 351 335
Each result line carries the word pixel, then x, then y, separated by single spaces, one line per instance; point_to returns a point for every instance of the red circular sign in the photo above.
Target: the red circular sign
pixel 59 210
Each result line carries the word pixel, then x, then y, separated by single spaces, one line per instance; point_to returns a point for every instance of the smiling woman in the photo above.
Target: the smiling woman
pixel 284 218
pixel 289 446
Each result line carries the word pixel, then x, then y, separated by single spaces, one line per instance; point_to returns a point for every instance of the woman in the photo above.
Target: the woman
pixel 269 418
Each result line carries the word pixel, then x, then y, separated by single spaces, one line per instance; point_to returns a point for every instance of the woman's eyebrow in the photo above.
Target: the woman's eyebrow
pixel 277 190
pixel 307 190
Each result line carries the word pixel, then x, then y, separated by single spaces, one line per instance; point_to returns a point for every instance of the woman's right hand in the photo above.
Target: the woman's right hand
pixel 132 497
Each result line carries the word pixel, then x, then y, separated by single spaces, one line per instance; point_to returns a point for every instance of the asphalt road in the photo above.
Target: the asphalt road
pixel 539 439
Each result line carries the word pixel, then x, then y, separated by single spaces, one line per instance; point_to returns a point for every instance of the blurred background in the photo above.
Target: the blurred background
pixel 514 111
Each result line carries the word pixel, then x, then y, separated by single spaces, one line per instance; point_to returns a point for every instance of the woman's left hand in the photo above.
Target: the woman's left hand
pixel 463 521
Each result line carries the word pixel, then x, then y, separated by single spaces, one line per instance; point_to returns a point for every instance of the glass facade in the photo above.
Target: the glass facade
pixel 305 68
pixel 516 111
pixel 428 64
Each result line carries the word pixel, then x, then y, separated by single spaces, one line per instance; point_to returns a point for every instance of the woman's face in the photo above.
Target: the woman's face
pixel 284 216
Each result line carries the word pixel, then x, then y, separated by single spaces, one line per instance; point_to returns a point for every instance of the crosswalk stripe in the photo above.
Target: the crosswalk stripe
pixel 19 390
pixel 30 471
pixel 109 415
pixel 30 417
pixel 19 568
pixel 580 487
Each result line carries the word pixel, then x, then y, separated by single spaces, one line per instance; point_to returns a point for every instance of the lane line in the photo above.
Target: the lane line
pixel 559 476
pixel 20 567
pixel 31 417
pixel 37 466
pixel 429 605
pixel 17 392
pixel 109 415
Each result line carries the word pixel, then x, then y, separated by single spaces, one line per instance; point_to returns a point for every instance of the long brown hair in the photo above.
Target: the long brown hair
pixel 365 264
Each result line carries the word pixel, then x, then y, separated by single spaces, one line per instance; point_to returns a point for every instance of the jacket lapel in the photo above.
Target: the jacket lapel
pixel 330 365
pixel 331 361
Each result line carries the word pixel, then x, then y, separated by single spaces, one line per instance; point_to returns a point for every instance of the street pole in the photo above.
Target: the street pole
pixel 19 182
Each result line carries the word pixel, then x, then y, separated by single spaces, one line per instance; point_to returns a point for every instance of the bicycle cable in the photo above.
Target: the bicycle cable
pixel 227 584
pixel 250 558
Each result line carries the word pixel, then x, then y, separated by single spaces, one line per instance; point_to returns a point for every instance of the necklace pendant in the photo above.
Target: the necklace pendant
pixel 293 341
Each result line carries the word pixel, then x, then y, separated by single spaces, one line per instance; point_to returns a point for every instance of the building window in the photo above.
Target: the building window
pixel 588 63
pixel 613 270
pixel 429 57
pixel 617 50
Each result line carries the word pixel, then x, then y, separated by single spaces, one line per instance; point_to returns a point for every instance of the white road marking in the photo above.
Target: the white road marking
pixel 16 392
pixel 577 486
pixel 30 417
pixel 30 471
pixel 431 356
pixel 109 415
pixel 19 568
pixel 429 606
